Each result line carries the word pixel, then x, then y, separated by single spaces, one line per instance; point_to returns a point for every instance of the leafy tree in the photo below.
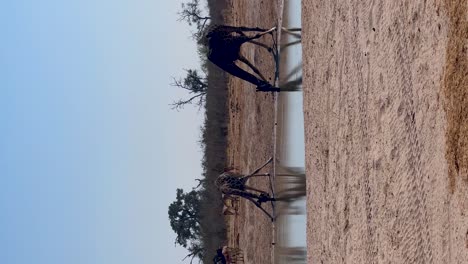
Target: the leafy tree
pixel 192 14
pixel 184 217
pixel 197 86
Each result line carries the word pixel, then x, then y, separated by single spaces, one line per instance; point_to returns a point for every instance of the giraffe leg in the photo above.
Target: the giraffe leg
pixel 243 38
pixel 261 208
pixel 261 167
pixel 293 72
pixel 261 175
pixel 244 194
pixel 240 29
pixel 264 33
pixel 255 69
pixel 235 70
pixel 256 175
pixel 269 49
pixel 292 86
pixel 283 46
pixel 292 32
pixel 291 29
pixel 255 189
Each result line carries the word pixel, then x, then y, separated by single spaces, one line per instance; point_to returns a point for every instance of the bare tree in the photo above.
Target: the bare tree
pixel 196 251
pixel 192 14
pixel 197 87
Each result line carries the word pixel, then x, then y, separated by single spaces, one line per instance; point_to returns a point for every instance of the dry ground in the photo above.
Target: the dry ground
pixel 250 131
pixel 386 120
pixel 386 131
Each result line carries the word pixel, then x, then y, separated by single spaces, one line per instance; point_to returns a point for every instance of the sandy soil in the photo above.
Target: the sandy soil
pixel 386 120
pixel 250 131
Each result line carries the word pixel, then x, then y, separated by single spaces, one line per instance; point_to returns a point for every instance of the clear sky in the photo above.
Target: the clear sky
pixel 90 151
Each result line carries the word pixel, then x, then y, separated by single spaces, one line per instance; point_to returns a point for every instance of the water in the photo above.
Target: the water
pixel 293 149
pixel 291 222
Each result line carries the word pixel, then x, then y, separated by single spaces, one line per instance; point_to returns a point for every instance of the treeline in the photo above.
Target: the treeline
pixel 210 230
pixel 214 140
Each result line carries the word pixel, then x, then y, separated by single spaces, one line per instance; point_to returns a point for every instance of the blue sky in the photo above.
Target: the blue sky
pixel 90 151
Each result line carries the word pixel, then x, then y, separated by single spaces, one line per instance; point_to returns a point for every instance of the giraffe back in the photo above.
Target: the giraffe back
pixel 230 180
pixel 217 30
pixel 223 44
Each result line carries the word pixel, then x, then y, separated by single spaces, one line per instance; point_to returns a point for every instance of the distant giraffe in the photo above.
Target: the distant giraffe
pixel 219 258
pixel 228 255
pixel 234 184
pixel 230 204
pixel 224 44
pixel 234 255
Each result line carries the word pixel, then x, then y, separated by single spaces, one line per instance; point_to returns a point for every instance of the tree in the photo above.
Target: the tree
pixel 196 251
pixel 184 217
pixel 196 85
pixel 192 14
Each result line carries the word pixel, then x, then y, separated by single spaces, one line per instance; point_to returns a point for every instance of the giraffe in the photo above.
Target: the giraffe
pixel 224 49
pixel 228 255
pixel 219 258
pixel 230 204
pixel 234 255
pixel 234 184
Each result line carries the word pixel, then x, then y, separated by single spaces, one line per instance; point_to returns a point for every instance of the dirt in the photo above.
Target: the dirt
pixel 250 133
pixel 386 130
pixel 386 127
pixel 456 92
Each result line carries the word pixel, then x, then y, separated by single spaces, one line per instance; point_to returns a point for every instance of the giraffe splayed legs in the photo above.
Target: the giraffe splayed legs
pixel 230 183
pixel 224 44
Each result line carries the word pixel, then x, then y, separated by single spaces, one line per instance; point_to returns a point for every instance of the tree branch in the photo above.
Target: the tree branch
pixel 193 255
pixel 181 103
pixel 200 181
pixel 179 83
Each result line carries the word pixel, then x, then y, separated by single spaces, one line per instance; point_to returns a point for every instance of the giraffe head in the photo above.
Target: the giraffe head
pixel 222 180
pixel 218 182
